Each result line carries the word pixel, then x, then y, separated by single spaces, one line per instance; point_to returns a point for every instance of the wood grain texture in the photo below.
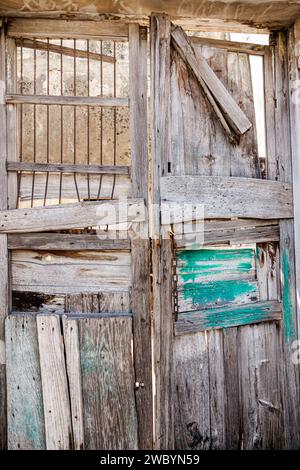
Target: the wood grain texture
pixel 257 312
pixel 72 352
pixel 58 423
pixel 26 428
pixel 225 197
pixel 233 114
pixel 70 272
pixel 67 216
pixel 67 168
pixel 28 28
pixel 4 293
pixel 232 46
pixel 140 249
pixel 64 242
pixel 65 100
pixel 108 384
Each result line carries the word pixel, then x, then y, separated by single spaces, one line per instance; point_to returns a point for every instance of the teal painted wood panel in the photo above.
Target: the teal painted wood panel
pixel 25 413
pixel 192 322
pixel 210 278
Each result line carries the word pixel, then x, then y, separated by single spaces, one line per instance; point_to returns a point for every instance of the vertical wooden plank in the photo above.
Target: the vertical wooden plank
pixel 11 110
pixel 26 429
pixel 4 297
pixel 109 411
pixel 58 423
pixel 71 340
pixel 140 242
pixel 291 395
pixel 162 253
pixel 191 399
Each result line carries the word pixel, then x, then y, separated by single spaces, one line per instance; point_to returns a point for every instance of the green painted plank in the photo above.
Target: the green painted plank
pixel 25 414
pixel 288 311
pixel 209 278
pixel 192 322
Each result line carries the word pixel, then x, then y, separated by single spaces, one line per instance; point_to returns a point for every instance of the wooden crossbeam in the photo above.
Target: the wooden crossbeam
pixel 68 168
pixel 66 100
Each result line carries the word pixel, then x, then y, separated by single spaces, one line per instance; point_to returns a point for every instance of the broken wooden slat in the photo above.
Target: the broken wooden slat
pixel 70 272
pixel 228 232
pixel 226 197
pixel 67 168
pixel 26 429
pixel 67 216
pixel 37 302
pixel 71 341
pixel 234 115
pixel 66 29
pixel 65 51
pixel 191 400
pixel 64 241
pixel 58 423
pixel 191 322
pixel 66 100
pixel 108 383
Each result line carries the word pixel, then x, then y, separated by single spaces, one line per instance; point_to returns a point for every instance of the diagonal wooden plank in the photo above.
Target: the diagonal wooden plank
pixel 232 112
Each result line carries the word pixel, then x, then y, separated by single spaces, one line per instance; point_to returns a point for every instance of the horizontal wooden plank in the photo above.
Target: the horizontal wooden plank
pixel 235 117
pixel 230 46
pixel 226 197
pixel 64 241
pixel 225 232
pixel 67 216
pixel 192 322
pixel 66 100
pixel 66 51
pixel 68 168
pixel 58 272
pixel 67 29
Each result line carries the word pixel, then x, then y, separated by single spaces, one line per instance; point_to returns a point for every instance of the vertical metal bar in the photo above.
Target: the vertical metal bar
pixel 61 120
pixel 48 121
pixel 75 123
pixel 115 120
pixel 34 125
pixel 88 115
pixel 101 117
pixel 19 178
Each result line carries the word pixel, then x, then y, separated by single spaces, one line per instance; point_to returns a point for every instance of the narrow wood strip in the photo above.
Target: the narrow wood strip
pixel 68 168
pixel 230 46
pixel 66 100
pixel 225 197
pixel 58 423
pixel 66 51
pixel 71 341
pixel 26 428
pixel 60 29
pixel 67 216
pixel 191 322
pixel 64 242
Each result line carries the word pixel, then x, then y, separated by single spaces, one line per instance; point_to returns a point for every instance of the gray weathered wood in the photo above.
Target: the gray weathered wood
pixel 65 51
pixel 192 397
pixel 4 297
pixel 225 197
pixel 232 46
pixel 64 241
pixel 65 100
pixel 71 342
pixel 234 115
pixel 58 424
pixel 67 216
pixel 190 322
pixel 70 272
pixel 140 249
pixel 26 429
pixel 67 168
pixel 109 410
pixel 29 28
pixel 161 249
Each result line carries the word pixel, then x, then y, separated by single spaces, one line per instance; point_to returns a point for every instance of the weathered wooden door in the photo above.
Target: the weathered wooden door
pixel 74 167
pixel 224 291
